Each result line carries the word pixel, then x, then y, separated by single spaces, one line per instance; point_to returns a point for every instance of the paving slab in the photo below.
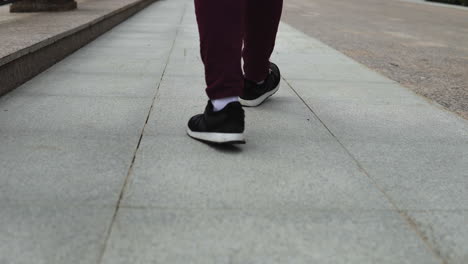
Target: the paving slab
pixel 418 175
pixel 185 59
pixel 50 169
pixel 73 116
pixel 185 67
pixel 91 85
pixel 67 141
pixel 379 111
pixel 341 166
pixel 68 136
pixel 302 57
pixel 326 72
pixel 262 236
pixel 306 157
pixel 132 66
pixel 51 234
pixel 174 87
pixel 159 180
pixel 293 171
pixel 395 123
pixel 359 92
pixel 130 52
pixel 149 42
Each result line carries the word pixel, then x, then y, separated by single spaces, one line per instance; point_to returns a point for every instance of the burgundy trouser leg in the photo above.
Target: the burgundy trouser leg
pixel 223 26
pixel 262 18
pixel 220 27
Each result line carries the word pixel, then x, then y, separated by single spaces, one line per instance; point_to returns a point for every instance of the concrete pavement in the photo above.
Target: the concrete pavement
pixel 342 166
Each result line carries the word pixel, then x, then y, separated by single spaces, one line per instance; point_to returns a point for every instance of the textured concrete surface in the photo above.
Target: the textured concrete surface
pixel 422 46
pixel 340 167
pixel 61 170
pixel 262 236
pixel 51 233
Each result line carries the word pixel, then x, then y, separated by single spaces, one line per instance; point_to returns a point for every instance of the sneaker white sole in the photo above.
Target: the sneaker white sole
pixel 220 138
pixel 259 100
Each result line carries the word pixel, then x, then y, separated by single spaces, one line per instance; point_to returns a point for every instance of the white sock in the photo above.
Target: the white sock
pixel 219 104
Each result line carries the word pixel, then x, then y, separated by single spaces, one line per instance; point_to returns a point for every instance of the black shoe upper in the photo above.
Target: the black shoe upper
pixel 228 120
pixel 253 90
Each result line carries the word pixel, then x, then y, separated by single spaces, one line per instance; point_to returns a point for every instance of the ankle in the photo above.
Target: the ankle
pixel 219 104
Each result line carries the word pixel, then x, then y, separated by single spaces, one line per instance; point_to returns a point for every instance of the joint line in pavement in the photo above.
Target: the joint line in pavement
pixel 130 169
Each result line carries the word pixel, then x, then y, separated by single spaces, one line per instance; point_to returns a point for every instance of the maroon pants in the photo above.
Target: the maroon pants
pixel 227 25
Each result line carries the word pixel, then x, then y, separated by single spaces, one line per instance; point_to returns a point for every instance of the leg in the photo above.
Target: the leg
pixel 220 28
pixel 260 27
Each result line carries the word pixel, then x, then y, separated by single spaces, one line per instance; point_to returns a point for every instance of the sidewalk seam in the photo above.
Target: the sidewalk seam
pixel 401 212
pixel 130 169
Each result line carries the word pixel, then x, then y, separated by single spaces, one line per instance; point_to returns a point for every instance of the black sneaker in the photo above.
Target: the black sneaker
pixel 225 126
pixel 256 94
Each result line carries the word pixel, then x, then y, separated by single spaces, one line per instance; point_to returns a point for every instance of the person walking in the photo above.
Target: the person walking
pixel 232 30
